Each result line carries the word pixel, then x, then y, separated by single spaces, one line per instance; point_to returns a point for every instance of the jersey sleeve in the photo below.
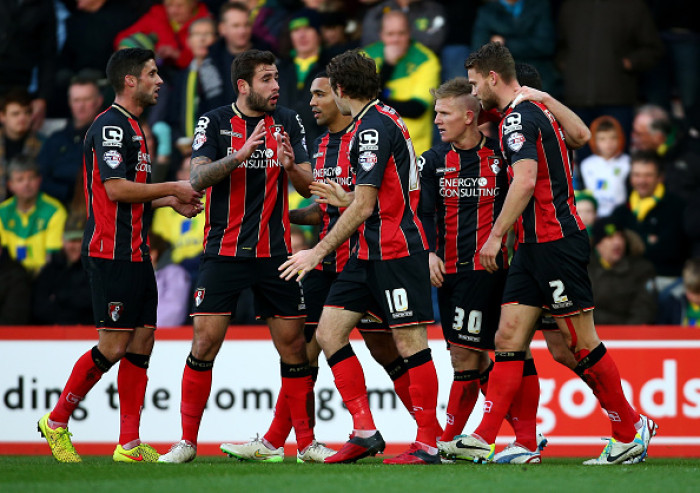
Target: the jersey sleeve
pixel 297 137
pixel 110 145
pixel 520 131
pixel 428 195
pixel 373 150
pixel 205 141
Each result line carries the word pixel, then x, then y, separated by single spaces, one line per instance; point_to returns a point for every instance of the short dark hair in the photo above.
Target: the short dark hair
pixel 240 6
pixel 21 163
pixel 492 57
pixel 18 95
pixel 647 157
pixel 321 75
pixel 356 73
pixel 243 66
pixel 528 75
pixel 128 61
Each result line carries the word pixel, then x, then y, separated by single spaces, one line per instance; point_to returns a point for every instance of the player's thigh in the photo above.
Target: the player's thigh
pixel 579 330
pixel 516 326
pixel 334 327
pixel 410 339
pixel 315 287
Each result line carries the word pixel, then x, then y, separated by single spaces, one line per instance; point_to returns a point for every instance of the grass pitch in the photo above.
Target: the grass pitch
pixel 205 474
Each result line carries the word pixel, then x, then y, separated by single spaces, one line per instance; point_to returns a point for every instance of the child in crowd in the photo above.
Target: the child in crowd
pixel 680 304
pixel 605 171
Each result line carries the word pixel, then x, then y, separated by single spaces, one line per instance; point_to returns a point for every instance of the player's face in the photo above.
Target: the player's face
pixel 84 101
pixel 644 177
pixel 341 103
pixel 451 118
pixel 16 119
pixel 482 90
pixel 148 84
pixel 607 143
pixel 322 103
pixel 264 92
pixel 236 29
pixel 24 184
pixel 305 40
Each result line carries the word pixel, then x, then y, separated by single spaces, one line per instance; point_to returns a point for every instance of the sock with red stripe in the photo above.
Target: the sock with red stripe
pixel 424 392
pixel 600 373
pixel 298 390
pixel 196 387
pixel 350 382
pixel 463 396
pixel 504 382
pixel 86 373
pixel 523 410
pixel 131 385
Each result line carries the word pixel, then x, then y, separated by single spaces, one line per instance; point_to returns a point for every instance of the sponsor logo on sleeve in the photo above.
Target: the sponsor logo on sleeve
pixel 202 124
pixel 112 136
pixel 112 158
pixel 516 141
pixel 512 123
pixel 199 139
pixel 369 140
pixel 420 162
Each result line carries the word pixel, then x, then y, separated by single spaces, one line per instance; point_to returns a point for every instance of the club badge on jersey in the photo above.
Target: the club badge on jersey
pixel 115 310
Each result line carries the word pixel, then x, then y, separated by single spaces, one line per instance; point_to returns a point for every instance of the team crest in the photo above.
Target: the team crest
pixel 494 164
pixel 115 309
pixel 112 158
pixel 276 129
pixel 367 160
pixel 198 296
pixel 516 141
pixel 199 140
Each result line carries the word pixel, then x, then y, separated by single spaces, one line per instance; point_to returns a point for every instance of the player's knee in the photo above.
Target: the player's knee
pixel 464 359
pixel 205 347
pixel 383 353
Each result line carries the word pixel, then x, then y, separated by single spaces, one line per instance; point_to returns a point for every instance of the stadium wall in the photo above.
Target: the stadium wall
pixel 659 366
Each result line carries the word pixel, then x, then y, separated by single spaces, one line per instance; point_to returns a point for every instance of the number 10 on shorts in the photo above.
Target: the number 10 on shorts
pixel 397 299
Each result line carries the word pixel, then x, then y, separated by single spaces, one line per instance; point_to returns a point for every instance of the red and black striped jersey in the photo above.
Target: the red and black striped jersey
pixel 332 162
pixel 247 213
pixel 382 155
pixel 530 131
pixel 115 148
pixel 462 193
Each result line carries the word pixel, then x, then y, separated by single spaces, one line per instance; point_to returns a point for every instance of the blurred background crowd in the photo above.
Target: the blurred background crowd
pixel 629 68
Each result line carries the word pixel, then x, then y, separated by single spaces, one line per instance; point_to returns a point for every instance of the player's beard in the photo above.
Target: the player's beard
pixel 146 99
pixel 488 99
pixel 257 102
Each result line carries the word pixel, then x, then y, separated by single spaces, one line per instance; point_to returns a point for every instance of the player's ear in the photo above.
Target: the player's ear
pixel 242 86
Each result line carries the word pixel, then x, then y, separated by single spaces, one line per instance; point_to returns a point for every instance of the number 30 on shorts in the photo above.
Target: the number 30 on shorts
pixel 473 322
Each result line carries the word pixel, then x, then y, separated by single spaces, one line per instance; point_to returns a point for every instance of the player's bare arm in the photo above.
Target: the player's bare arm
pixel 308 216
pixel 299 173
pixel 575 131
pixel 204 172
pixel 332 193
pixel 519 194
pixel 361 208
pixel 121 190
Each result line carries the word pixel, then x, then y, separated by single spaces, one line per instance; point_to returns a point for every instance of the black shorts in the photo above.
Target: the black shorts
pixel 552 275
pixel 221 280
pixel 124 294
pixel 397 289
pixel 470 307
pixel 316 285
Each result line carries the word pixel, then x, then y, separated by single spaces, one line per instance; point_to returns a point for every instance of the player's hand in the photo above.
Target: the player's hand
pixel 252 142
pixel 185 194
pixel 330 192
pixel 285 152
pixel 489 252
pixel 299 264
pixel 437 269
pixel 526 93
pixel 187 210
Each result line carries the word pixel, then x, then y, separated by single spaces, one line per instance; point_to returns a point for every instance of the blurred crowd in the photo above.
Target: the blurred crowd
pixel 629 68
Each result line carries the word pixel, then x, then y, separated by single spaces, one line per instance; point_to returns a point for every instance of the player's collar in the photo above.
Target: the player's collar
pixel 237 111
pixel 366 108
pixel 123 110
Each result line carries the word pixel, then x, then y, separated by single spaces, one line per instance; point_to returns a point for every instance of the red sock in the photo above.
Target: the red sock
pixel 504 383
pixel 523 410
pixel 484 379
pixel 398 373
pixel 281 424
pixel 298 390
pixel 424 392
pixel 86 373
pixel 196 386
pixel 131 384
pixel 350 382
pixel 463 396
pixel 599 371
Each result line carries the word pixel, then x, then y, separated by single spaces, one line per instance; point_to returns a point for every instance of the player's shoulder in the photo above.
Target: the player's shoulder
pixel 286 115
pixel 224 112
